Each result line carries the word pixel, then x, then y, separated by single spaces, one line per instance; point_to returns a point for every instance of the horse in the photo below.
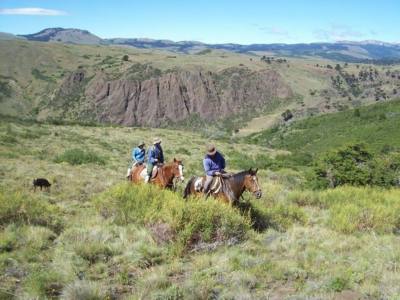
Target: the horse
pixel 229 188
pixel 164 176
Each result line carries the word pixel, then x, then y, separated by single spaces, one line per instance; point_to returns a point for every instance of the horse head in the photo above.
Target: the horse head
pixel 177 169
pixel 251 183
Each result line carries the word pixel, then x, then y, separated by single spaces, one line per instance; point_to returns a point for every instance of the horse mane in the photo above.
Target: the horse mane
pixel 226 184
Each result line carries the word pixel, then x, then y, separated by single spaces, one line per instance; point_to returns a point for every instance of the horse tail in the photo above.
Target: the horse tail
pixel 186 192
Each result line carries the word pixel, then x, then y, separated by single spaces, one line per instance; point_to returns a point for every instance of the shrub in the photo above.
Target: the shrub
pixel 83 290
pixel 338 284
pixel 91 244
pixel 28 238
pixel 78 157
pixel 45 283
pixel 345 166
pixel 191 222
pixel 355 165
pixel 20 208
pixel 125 57
pixel 7 139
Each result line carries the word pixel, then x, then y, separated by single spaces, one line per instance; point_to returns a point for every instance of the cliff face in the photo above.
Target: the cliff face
pixel 174 96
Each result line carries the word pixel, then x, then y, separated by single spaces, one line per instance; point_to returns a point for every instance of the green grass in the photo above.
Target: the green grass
pixel 78 156
pixel 376 126
pixel 188 223
pixel 354 209
pixel 94 236
pixel 22 208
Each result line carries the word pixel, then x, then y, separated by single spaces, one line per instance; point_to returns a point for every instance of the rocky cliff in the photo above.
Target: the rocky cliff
pixel 174 96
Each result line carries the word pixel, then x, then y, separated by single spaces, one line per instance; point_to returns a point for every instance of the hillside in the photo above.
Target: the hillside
pixel 94 237
pixel 374 125
pixel 157 88
pixel 62 35
pixel 346 51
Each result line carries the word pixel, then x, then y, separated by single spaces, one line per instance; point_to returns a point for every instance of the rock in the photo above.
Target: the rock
pixel 175 96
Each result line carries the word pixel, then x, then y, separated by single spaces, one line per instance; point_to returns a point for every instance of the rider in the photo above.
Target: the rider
pixel 214 165
pixel 138 156
pixel 155 157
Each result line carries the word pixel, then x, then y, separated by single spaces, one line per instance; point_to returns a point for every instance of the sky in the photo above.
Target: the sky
pixel 218 21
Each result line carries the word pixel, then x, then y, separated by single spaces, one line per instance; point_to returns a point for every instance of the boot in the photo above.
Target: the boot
pixel 128 173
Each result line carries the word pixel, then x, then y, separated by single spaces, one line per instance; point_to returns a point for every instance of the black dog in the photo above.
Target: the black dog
pixel 41 182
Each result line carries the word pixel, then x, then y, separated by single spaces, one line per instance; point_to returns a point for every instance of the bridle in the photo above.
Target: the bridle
pixel 257 192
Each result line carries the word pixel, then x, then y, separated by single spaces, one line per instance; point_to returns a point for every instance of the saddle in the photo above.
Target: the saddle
pixel 215 186
pixel 154 173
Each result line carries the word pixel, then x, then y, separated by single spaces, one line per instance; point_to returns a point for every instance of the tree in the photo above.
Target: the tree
pixel 125 57
pixel 287 115
pixel 355 165
pixel 344 166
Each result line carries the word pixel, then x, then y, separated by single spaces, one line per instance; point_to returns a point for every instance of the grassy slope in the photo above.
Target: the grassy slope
pixel 376 125
pixel 300 252
pixel 36 69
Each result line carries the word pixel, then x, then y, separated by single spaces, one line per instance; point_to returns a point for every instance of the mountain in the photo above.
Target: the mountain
pixel 137 87
pixel 347 51
pixel 69 35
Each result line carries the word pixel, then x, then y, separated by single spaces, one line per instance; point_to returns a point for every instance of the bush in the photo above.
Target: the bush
pixel 21 208
pixel 345 166
pixel 45 283
pixel 338 284
pixel 78 157
pixel 83 290
pixel 355 165
pixel 92 244
pixel 191 222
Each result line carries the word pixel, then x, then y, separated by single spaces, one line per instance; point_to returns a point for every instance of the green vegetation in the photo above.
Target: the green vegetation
pixel 79 156
pixel 93 236
pixel 40 75
pixel 354 209
pixel 376 126
pixel 187 223
pixel 354 165
pixel 21 208
pixel 204 52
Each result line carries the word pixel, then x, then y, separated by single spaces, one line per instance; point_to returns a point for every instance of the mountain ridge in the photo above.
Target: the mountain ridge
pixel 349 51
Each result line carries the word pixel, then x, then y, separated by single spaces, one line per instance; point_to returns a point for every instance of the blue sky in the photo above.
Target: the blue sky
pixel 245 22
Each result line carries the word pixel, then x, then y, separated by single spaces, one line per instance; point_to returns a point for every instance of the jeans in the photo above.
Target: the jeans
pixel 207 183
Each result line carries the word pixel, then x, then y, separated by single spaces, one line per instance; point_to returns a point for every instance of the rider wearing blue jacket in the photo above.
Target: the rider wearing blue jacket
pixel 138 154
pixel 155 156
pixel 214 164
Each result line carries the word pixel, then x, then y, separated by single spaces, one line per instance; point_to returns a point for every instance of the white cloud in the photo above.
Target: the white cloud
pixel 32 11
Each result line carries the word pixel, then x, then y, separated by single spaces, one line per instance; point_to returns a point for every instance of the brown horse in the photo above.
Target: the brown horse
pixel 165 174
pixel 228 189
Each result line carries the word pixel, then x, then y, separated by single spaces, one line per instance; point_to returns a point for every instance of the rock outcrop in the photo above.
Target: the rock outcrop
pixel 175 96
